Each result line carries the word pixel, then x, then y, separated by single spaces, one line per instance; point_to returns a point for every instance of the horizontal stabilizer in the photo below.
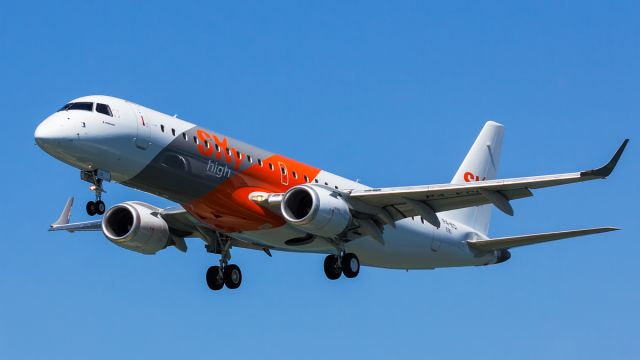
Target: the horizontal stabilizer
pixel 522 240
pixel 93 225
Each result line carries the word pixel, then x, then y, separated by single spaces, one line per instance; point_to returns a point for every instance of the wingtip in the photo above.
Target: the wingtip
pixel 606 229
pixel 607 169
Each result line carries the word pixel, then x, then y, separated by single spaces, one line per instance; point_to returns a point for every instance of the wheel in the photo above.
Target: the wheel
pixel 350 265
pixel 232 276
pixel 214 280
pixel 332 267
pixel 92 209
pixel 100 207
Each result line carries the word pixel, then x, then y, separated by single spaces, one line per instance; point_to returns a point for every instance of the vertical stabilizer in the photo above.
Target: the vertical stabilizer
pixel 481 163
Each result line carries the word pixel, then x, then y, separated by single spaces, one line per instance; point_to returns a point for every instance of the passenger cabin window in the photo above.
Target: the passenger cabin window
pixel 271 166
pixel 195 139
pixel 161 126
pixel 87 106
pixel 260 162
pixel 173 132
pixel 104 109
pixel 306 178
pixel 217 148
pixel 184 136
pixel 295 174
pixel 249 159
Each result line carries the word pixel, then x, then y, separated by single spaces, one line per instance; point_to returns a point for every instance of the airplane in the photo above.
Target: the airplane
pixel 235 195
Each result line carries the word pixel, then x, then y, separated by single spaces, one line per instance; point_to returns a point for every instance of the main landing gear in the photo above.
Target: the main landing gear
pixel 95 178
pixel 345 263
pixel 225 274
pixel 219 276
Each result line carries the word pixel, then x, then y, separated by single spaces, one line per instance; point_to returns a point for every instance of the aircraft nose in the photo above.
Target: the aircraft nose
pixel 49 133
pixel 44 134
pixel 41 133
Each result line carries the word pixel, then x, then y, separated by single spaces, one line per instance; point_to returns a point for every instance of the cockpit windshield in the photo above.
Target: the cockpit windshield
pixel 104 109
pixel 87 106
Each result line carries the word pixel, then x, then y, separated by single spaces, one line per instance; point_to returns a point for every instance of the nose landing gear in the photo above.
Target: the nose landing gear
pixel 96 179
pixel 95 207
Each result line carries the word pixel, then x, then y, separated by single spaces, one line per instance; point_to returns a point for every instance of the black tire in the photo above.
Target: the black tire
pixel 232 276
pixel 332 268
pixel 350 265
pixel 100 207
pixel 214 280
pixel 92 209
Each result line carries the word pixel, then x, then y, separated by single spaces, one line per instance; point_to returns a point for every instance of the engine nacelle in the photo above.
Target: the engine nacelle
pixel 316 210
pixel 132 226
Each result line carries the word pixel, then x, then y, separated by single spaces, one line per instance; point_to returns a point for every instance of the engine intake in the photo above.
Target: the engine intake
pixel 316 210
pixel 133 226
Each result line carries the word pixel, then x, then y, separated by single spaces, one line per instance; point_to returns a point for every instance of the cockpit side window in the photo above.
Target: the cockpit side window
pixel 87 106
pixel 104 109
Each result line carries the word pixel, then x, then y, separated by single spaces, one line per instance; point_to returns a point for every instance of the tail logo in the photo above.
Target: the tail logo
pixel 470 177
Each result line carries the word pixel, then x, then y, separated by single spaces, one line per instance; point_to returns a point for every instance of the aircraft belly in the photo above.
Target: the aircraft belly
pixel 276 238
pixel 414 245
pixel 411 245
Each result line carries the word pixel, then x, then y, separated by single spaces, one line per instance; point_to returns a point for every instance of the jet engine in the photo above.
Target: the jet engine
pixel 136 226
pixel 316 210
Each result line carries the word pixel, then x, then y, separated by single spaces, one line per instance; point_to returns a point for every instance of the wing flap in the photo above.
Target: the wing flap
pixel 523 240
pixel 400 209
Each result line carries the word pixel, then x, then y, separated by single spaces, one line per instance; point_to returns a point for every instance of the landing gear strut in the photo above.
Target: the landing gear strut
pixel 344 263
pixel 224 274
pixel 96 178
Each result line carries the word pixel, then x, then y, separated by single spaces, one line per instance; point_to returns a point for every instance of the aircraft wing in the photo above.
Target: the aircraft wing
pixel 400 202
pixel 180 222
pixel 176 217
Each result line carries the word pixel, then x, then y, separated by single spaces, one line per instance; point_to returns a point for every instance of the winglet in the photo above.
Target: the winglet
pixel 65 216
pixel 606 170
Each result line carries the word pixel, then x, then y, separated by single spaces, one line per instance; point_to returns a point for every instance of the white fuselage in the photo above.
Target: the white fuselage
pixel 133 138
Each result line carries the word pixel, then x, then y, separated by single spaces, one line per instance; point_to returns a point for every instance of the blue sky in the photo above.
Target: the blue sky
pixel 391 93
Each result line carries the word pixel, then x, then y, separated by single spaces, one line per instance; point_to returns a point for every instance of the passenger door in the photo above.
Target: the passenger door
pixel 143 137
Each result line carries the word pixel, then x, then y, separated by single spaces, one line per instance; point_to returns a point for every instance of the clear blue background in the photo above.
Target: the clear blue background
pixel 389 93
